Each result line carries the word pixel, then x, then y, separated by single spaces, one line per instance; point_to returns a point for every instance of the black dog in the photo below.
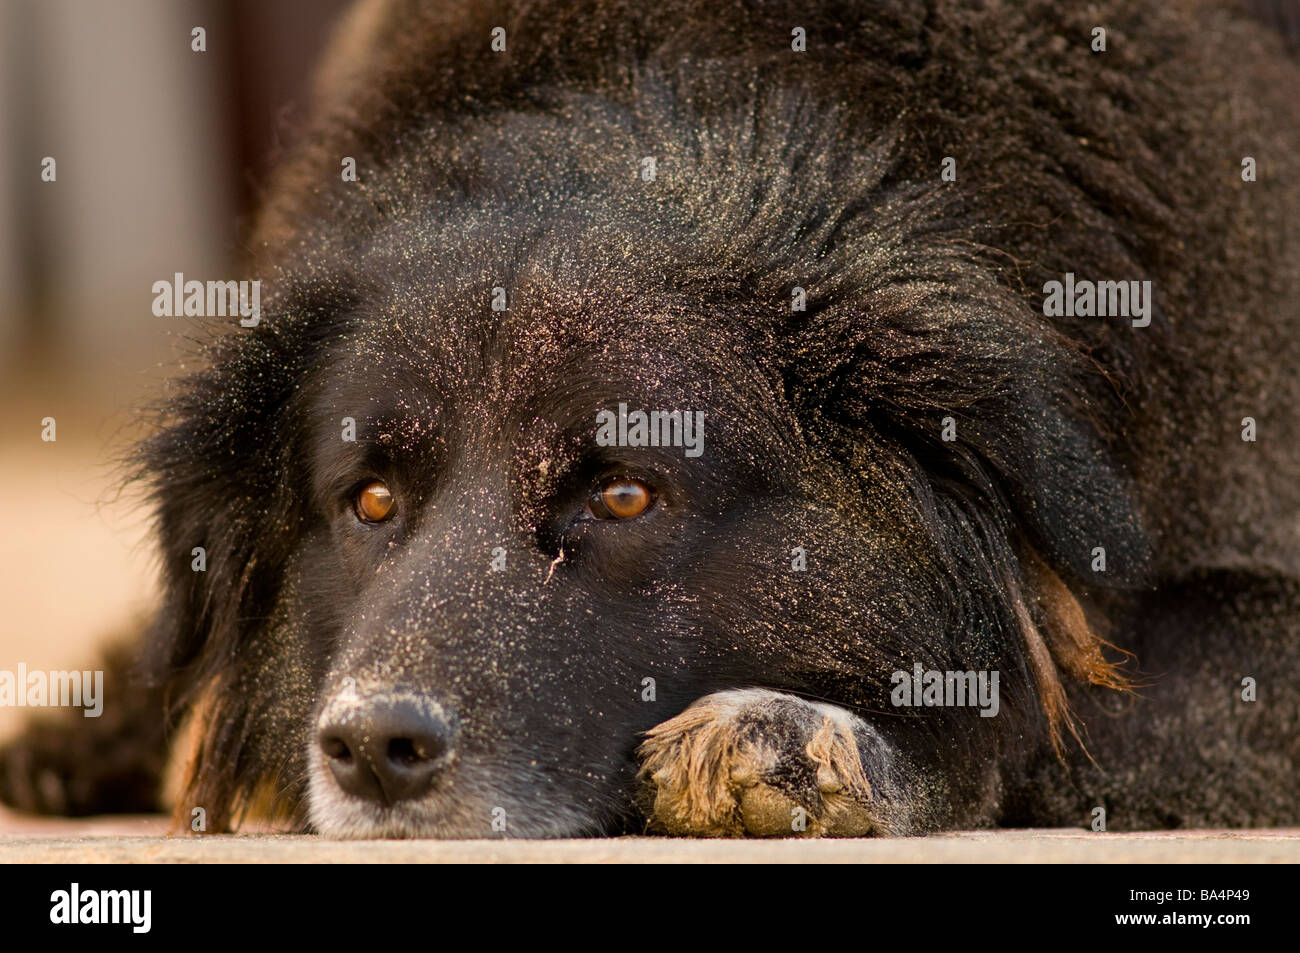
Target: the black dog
pixel 676 425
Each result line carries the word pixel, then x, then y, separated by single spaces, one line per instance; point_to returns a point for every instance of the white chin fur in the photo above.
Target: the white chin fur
pixel 442 815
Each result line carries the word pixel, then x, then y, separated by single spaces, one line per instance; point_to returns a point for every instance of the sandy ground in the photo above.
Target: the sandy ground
pixel 138 840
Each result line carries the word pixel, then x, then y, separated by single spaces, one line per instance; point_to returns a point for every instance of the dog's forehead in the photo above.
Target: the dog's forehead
pixel 544 351
pixel 533 383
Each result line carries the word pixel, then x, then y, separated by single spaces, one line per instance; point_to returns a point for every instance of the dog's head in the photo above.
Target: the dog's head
pixel 530 450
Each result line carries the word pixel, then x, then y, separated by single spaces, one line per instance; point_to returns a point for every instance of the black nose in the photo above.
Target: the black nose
pixel 386 749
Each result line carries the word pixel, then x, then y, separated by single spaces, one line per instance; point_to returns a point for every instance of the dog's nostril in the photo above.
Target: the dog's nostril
pixel 402 750
pixel 336 749
pixel 388 749
pixel 411 751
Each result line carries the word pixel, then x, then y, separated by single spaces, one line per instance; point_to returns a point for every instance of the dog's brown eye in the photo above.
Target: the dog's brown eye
pixel 374 502
pixel 620 500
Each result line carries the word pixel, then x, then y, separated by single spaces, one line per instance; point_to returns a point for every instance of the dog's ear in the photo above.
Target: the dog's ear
pixel 1075 503
pixel 215 473
pixel 227 509
pixel 1016 396
pixel 213 469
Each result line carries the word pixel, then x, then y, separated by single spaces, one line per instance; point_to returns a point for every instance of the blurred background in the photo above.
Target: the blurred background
pixel 159 154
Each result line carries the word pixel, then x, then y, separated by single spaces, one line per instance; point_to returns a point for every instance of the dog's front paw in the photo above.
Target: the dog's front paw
pixel 761 763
